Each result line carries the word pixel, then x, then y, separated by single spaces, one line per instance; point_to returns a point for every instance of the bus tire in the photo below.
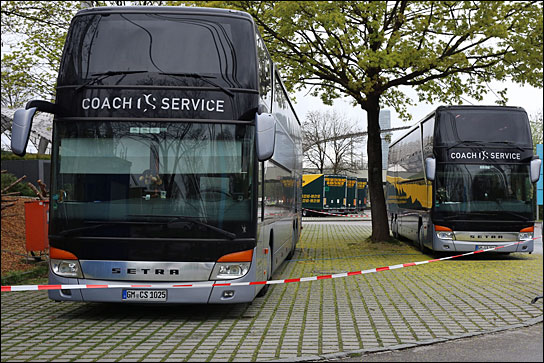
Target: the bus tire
pixel 265 288
pixel 395 227
pixel 294 242
pixel 420 244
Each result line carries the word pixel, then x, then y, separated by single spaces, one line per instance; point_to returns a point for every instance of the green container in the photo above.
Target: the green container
pixel 335 193
pixel 351 194
pixel 362 193
pixel 312 193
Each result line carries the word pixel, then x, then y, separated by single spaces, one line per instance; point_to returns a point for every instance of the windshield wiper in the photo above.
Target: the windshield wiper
pixel 101 76
pixel 467 142
pixel 175 219
pixel 520 216
pixel 487 214
pixel 201 77
pixel 508 143
pixel 97 224
pixel 448 218
pixel 485 143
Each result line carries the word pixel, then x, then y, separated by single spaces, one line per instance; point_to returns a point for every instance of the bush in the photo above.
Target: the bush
pixel 21 187
pixel 8 155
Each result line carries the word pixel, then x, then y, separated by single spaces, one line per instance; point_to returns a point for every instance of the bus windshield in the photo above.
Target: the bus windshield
pixel 152 180
pixel 468 191
pixel 484 125
pixel 145 46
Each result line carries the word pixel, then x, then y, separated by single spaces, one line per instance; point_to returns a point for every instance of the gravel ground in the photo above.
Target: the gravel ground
pixel 13 238
pixel 306 321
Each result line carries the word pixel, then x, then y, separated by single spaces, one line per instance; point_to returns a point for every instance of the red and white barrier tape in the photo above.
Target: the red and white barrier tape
pixel 334 214
pixel 270 282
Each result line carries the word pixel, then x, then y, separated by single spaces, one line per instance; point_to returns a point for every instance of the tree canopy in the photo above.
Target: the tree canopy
pixel 368 49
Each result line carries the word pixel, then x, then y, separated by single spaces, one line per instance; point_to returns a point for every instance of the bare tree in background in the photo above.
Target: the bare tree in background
pixel 328 143
pixel 536 128
pixel 314 131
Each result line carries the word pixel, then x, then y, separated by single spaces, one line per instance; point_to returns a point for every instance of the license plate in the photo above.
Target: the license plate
pixel 484 247
pixel 144 295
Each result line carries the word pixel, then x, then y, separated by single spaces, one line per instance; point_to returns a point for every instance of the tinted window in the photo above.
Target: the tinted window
pixel 428 137
pixel 216 47
pixel 265 75
pixel 410 163
pixel 486 125
pixel 285 128
pixel 484 191
pixel 147 173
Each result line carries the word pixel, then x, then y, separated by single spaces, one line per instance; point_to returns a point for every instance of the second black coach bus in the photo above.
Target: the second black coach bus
pixel 462 180
pixel 176 157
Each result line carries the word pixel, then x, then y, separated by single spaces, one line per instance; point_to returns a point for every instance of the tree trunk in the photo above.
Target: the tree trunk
pixel 42 146
pixel 380 225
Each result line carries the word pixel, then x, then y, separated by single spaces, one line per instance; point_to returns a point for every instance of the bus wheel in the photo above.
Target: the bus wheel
pixel 265 288
pixel 420 244
pixel 294 241
pixel 395 228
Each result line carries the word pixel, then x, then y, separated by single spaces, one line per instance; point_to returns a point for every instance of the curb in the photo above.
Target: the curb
pixel 359 352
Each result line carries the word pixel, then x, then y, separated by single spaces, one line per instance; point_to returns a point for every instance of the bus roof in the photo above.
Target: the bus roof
pixel 163 10
pixel 454 107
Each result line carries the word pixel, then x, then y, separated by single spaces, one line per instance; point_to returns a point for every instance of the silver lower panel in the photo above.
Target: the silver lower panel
pixel 207 294
pixel 486 236
pixel 146 270
pixel 470 246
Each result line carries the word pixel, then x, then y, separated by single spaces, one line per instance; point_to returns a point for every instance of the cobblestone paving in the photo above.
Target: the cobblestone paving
pixel 403 306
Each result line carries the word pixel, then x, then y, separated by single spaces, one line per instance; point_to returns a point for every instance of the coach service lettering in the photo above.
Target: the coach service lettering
pixel 485 155
pixel 148 102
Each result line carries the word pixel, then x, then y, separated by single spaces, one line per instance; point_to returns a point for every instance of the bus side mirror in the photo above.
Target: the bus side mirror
pixel 22 123
pixel 20 130
pixel 266 135
pixel 535 170
pixel 430 168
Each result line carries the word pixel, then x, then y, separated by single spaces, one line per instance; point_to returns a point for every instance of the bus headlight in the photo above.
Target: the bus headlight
pixel 66 268
pixel 525 236
pixel 445 235
pixel 230 270
pixel 443 232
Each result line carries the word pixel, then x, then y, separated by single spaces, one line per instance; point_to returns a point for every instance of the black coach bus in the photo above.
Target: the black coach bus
pixel 462 180
pixel 176 157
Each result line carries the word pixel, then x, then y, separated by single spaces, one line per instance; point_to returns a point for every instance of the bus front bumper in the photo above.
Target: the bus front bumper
pixel 471 246
pixel 204 293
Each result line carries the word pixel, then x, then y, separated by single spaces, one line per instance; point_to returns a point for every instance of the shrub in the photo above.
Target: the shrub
pixel 21 187
pixel 8 155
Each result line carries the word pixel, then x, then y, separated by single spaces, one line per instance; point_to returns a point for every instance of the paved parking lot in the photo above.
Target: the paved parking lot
pixel 413 305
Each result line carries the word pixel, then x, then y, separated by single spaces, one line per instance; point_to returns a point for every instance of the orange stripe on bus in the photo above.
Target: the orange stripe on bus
pixel 59 254
pixel 243 256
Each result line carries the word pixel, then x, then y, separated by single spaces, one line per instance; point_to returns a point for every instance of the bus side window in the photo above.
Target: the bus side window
pixel 265 75
pixel 428 137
